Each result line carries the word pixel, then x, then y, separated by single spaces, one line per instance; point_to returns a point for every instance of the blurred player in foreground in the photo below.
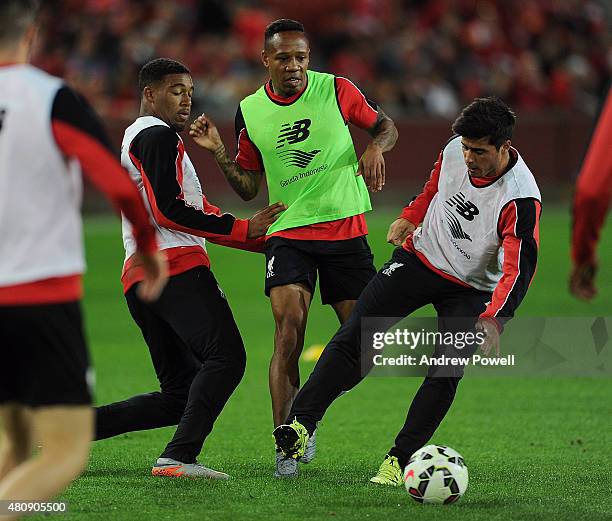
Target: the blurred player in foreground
pixel 295 130
pixel 195 345
pixel 591 202
pixel 47 132
pixel 473 257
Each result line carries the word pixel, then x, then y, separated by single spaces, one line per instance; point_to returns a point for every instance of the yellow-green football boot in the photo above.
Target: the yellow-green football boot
pixel 291 439
pixel 389 473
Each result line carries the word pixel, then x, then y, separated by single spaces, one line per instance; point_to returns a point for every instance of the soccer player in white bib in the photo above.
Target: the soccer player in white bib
pixel 194 342
pixel 467 244
pixel 47 134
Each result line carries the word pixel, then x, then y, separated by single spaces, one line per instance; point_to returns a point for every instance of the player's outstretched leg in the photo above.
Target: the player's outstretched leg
pixel 457 309
pixel 64 433
pixel 390 294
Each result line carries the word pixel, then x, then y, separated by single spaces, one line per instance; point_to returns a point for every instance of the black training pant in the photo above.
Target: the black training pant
pixel 396 294
pixel 199 360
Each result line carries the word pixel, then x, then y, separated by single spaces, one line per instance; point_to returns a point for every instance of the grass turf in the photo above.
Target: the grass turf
pixel 536 448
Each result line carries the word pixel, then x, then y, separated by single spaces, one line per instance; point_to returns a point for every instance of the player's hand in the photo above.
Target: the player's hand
pixel 261 221
pixel 491 341
pixel 155 270
pixel 372 168
pixel 399 230
pixel 582 281
pixel 205 133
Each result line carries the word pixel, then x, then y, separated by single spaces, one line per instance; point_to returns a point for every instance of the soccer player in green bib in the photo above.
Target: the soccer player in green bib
pixel 294 129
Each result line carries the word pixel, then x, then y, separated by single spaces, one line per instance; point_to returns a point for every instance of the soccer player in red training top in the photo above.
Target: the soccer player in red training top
pixel 295 130
pixel 194 342
pixel 468 245
pixel 47 132
pixel 591 202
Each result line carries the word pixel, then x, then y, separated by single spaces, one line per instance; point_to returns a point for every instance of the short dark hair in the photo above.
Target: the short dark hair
pixel 486 117
pixel 15 17
pixel 155 70
pixel 281 26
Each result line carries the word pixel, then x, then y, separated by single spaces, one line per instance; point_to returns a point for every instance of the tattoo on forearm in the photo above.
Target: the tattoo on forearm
pixel 384 132
pixel 245 183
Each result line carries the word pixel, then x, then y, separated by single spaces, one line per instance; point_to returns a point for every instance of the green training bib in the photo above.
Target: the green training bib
pixel 308 154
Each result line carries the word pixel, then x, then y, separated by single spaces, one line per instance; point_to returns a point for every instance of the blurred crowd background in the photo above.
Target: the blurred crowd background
pixel 414 57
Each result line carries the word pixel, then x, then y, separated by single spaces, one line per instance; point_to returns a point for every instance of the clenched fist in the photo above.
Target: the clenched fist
pixel 205 133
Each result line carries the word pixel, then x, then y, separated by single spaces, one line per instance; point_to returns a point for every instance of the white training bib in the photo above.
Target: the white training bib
pixel 190 184
pixel 459 234
pixel 40 190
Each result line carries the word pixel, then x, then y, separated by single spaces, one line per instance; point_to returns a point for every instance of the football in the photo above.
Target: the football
pixel 438 452
pixel 436 474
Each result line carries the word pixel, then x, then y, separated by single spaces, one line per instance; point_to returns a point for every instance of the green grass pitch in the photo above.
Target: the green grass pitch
pixel 536 448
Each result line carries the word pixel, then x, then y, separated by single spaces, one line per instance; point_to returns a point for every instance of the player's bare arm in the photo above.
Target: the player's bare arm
pixel 384 132
pixel 372 164
pixel 245 183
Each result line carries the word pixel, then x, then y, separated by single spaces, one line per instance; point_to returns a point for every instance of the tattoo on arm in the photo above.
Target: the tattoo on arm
pixel 245 183
pixel 384 132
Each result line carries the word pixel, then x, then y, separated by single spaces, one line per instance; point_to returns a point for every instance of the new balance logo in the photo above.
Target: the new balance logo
pixel 455 226
pixel 389 271
pixel 465 209
pixel 293 133
pixel 270 272
pixel 297 158
pixel 221 292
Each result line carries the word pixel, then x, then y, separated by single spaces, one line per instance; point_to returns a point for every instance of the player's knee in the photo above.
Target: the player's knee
pixel 226 341
pixel 232 358
pixel 289 333
pixel 176 401
pixel 231 352
pixel 291 322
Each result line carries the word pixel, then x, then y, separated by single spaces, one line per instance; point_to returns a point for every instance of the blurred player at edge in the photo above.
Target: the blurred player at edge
pixel 295 129
pixel 468 244
pixel 47 133
pixel 591 202
pixel 195 345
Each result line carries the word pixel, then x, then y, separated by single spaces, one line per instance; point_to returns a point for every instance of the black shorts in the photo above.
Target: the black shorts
pixel 43 355
pixel 345 266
